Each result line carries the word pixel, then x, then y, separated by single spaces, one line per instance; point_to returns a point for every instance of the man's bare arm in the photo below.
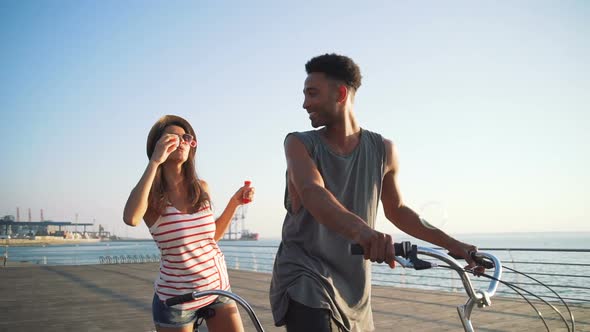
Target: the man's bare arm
pixel 326 209
pixel 405 218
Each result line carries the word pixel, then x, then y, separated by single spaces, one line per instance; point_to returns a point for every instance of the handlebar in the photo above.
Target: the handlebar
pixel 402 249
pixel 195 295
pixel 406 255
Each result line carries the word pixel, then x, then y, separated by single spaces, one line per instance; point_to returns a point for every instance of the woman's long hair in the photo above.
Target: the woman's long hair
pixel 158 197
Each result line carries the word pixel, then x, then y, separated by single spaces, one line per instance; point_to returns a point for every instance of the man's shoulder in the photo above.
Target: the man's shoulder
pixel 377 137
pixel 303 133
pixel 374 137
pixel 371 132
pixel 306 137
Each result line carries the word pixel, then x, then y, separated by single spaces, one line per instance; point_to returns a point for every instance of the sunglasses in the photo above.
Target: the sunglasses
pixel 188 139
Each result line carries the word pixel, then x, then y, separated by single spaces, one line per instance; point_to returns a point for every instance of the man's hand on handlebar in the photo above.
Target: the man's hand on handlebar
pixel 466 251
pixel 377 246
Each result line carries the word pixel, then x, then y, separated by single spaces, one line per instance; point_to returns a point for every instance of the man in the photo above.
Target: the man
pixel 335 178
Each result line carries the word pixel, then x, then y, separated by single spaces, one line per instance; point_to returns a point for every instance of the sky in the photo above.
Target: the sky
pixel 487 103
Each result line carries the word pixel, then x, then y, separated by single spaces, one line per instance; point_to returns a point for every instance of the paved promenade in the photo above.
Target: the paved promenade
pixel 118 298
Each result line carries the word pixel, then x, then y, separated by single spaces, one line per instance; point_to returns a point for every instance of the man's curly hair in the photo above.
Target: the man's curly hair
pixel 338 67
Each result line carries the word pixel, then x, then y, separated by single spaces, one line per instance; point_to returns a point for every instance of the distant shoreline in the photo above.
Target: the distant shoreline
pixel 49 241
pixel 44 242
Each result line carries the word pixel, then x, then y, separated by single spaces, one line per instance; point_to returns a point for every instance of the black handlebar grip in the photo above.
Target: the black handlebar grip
pixel 179 299
pixel 482 261
pixel 357 249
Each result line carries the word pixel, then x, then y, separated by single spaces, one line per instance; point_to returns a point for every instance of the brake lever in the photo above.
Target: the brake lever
pixel 419 264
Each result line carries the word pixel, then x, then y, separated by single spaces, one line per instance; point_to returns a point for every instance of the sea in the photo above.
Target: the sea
pixel 558 260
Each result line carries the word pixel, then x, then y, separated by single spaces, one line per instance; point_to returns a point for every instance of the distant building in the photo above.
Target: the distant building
pixel 27 229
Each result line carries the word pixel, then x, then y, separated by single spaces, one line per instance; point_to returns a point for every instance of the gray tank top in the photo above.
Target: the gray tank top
pixel 313 265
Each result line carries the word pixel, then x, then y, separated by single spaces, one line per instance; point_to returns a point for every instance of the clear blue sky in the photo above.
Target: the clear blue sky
pixel 488 103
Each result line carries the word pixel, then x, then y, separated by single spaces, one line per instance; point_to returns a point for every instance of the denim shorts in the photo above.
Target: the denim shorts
pixel 165 316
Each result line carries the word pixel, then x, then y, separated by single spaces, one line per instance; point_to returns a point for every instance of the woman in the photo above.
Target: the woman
pixel 176 207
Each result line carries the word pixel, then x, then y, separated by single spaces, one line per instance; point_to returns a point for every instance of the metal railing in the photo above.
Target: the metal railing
pixel 564 270
pixel 567 271
pixel 129 259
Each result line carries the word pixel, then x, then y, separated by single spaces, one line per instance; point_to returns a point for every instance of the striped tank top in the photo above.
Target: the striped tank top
pixel 190 258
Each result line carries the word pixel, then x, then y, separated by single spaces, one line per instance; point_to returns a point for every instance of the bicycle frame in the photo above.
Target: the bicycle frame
pixel 480 297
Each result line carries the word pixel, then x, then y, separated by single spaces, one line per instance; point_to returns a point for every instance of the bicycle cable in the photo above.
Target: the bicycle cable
pixel 511 287
pixel 549 288
pixel 514 288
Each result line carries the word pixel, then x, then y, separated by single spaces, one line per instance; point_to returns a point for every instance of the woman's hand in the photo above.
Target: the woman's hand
pixel 239 198
pixel 167 144
pixel 244 195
